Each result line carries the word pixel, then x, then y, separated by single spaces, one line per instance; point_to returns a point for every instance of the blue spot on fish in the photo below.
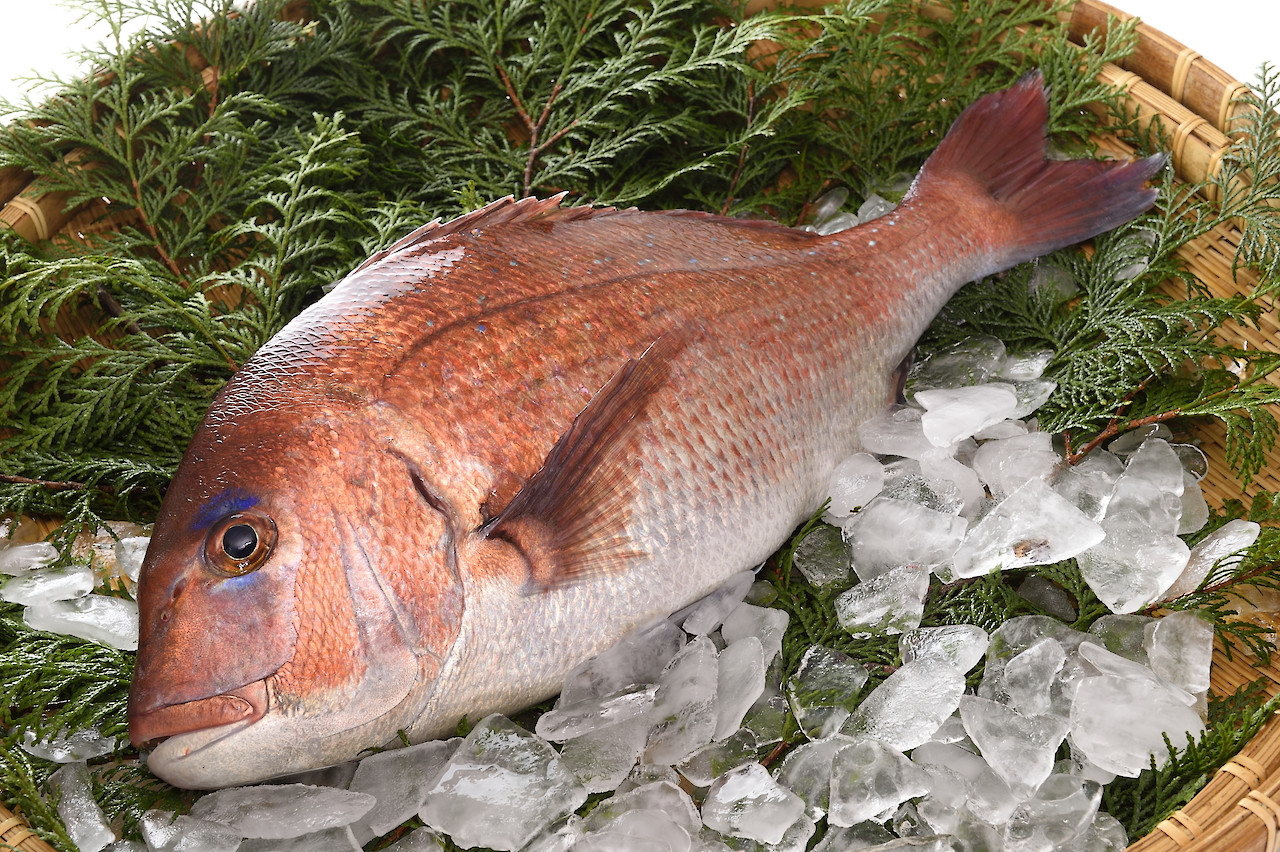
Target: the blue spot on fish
pixel 228 502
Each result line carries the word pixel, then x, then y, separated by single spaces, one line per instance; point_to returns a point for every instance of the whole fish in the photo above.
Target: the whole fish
pixel 505 441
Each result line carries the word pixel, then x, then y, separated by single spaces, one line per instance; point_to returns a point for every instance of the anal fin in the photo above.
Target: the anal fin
pixel 569 520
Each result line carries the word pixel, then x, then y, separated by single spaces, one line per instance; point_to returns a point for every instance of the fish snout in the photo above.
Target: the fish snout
pixel 149 723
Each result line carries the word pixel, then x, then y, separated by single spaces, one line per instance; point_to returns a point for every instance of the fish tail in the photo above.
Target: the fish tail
pixel 993 165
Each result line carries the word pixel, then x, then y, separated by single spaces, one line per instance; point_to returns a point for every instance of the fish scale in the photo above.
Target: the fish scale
pixel 506 440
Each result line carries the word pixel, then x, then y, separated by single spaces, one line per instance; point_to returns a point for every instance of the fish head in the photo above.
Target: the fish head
pixel 296 602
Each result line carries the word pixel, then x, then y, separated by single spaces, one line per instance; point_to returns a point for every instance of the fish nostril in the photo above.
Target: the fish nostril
pixel 166 611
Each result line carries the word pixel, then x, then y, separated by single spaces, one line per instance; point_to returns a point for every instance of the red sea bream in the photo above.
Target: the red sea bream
pixel 505 441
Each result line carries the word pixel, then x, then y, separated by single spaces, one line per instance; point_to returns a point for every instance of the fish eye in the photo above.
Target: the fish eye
pixel 239 543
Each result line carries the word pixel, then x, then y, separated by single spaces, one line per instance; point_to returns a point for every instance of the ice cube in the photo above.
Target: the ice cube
pixel 566 722
pixel 398 779
pixel 836 224
pixel 890 533
pixel 1154 462
pixel 1062 809
pixel 768 717
pixel 130 551
pixel 716 758
pixel 1025 366
pixel 685 704
pixel 960 645
pixel 80 814
pixel 1106 834
pixel 1135 563
pixel 1020 633
pixel 909 705
pixel 18 559
pixel 806 771
pixel 1120 723
pixel 1107 663
pixel 762 593
pixel 1124 635
pixel 824 690
pixel 1006 463
pixel 952 414
pixel 854 482
pixel 98 618
pixel 823 557
pixel 659 796
pixel 500 788
pixel 47 585
pixel 1028 677
pixel 165 831
pixel 896 432
pixel 1019 749
pixel 602 759
pixel 638 657
pixel 875 207
pixel 941 469
pixel 890 603
pixel 705 615
pixel 1032 526
pixel 1195 511
pixel 828 204
pixel 278 811
pixel 1088 484
pixel 78 746
pixel 867 777
pixel 764 623
pixel 740 681
pixel 746 802
pixel 1222 547
pixel 970 362
pixel 905 479
pixel 988 796
pixel 1031 394
pixel 1180 649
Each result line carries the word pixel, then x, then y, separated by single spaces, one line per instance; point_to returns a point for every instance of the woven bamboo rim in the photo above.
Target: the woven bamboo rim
pixel 1195 102
pixel 15 834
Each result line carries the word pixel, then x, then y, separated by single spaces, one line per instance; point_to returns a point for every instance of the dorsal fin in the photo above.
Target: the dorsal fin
pixel 500 212
pixel 570 518
pixel 509 210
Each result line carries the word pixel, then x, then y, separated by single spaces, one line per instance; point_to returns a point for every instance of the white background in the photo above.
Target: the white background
pixel 1236 34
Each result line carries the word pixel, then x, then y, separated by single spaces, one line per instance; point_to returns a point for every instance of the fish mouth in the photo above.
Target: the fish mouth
pixel 246 704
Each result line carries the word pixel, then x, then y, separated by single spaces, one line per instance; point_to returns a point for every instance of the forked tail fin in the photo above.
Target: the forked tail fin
pixel 995 152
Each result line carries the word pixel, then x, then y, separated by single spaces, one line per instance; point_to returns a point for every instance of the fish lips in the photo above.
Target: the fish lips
pixel 245 704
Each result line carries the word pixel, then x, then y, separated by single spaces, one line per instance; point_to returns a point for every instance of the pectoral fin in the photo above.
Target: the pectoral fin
pixel 570 519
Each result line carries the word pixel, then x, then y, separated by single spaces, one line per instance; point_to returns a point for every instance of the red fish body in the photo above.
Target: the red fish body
pixel 505 441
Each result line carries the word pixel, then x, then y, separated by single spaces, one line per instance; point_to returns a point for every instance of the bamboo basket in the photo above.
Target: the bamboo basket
pixel 1196 103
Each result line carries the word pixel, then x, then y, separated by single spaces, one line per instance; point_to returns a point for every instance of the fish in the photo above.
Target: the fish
pixel 505 441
